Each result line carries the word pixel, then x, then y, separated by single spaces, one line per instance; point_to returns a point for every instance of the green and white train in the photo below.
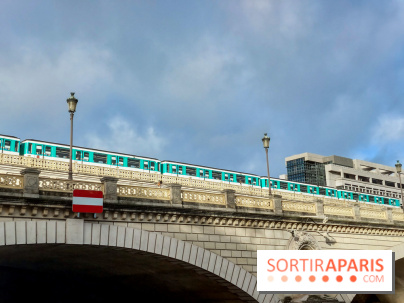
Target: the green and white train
pixel 60 152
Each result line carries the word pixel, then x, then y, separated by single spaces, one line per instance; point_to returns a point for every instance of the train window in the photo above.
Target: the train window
pixel 152 165
pixel 39 149
pixel 254 182
pixel 216 175
pixel 16 146
pixel 174 169
pixel 284 185
pixel 78 155
pixel 180 170
pixel 29 148
pixel 100 158
pixel 321 191
pixel 47 150
pixel 355 197
pixel 120 162
pixel 206 174
pixel 113 160
pixel 190 171
pixel 226 177
pixel 201 173
pixel 240 179
pixel 86 156
pixel 248 180
pixel 62 152
pixel 231 178
pixel 7 144
pixel 145 164
pixel 371 199
pixel 303 188
pixel 135 163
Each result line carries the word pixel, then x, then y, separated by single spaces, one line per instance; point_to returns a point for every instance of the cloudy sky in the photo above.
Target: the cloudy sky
pixel 202 81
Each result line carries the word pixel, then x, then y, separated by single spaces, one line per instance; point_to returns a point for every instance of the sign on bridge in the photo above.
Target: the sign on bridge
pixel 88 201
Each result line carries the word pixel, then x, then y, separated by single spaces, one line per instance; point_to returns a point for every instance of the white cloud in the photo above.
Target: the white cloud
pixel 38 82
pixel 198 72
pixel 290 19
pixel 388 129
pixel 122 136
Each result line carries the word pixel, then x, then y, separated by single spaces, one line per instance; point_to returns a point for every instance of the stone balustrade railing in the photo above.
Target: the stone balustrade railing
pixel 122 173
pixel 29 184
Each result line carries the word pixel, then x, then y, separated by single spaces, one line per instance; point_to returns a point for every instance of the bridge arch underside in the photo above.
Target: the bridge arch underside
pixel 63 273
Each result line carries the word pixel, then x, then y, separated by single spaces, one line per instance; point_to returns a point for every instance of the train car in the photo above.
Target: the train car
pixel 42 149
pixel 9 145
pixel 179 169
pixel 301 188
pixel 307 189
pixel 61 152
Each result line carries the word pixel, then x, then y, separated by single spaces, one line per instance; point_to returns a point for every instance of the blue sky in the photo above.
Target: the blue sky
pixel 202 81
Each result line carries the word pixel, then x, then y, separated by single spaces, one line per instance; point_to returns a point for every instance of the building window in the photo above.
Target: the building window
pixel 377 181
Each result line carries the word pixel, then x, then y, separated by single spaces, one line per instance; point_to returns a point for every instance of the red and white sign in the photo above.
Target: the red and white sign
pixel 330 271
pixel 88 201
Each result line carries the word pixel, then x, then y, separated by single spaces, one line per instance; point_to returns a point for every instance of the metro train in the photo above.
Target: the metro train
pixel 60 152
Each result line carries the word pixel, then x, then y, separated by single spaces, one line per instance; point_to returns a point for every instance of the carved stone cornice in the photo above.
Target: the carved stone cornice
pixel 18 210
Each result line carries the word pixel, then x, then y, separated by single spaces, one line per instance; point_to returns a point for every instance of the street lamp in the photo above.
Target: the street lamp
pixel 265 141
pixel 72 103
pixel 398 168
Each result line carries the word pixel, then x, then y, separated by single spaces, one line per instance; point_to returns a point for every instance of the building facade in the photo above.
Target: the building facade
pixel 344 173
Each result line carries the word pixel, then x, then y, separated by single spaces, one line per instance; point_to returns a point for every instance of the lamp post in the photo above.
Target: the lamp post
pixel 398 168
pixel 72 103
pixel 265 141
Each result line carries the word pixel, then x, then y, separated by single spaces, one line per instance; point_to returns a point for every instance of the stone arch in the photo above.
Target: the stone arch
pixel 78 232
pixel 399 279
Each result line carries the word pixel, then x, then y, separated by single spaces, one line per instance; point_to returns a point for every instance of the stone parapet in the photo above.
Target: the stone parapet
pixel 230 197
pixel 110 189
pixel 175 194
pixel 31 181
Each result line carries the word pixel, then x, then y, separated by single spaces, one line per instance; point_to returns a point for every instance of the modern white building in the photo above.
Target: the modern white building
pixel 344 173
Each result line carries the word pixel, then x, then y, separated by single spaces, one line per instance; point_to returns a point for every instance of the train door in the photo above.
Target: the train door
pixel 38 150
pixel 78 155
pixel 48 150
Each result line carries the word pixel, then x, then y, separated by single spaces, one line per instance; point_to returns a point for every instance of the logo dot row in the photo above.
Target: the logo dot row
pixel 313 278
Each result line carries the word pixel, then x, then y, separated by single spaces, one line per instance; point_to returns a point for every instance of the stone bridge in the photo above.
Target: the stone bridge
pixel 170 238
